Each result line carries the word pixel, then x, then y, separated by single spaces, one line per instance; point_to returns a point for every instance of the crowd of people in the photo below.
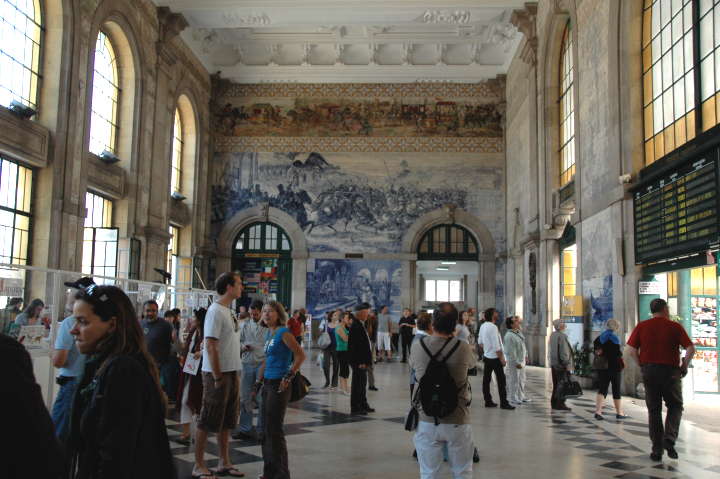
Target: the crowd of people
pixel 232 375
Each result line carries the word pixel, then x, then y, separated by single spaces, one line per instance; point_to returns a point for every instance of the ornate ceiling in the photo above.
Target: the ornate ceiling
pixel 338 41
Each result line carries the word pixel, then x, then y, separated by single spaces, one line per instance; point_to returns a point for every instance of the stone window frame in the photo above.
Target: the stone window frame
pixel 34 33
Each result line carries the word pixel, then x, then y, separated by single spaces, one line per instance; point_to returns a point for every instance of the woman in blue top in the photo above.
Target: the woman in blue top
pixel 283 357
pixel 609 371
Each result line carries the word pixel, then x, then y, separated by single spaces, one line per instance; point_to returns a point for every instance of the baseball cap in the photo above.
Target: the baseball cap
pixel 81 283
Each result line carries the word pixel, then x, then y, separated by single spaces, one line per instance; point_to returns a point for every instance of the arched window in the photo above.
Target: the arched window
pixel 448 242
pixel 177 154
pixel 105 94
pixel 20 37
pixel 263 237
pixel 679 100
pixel 567 109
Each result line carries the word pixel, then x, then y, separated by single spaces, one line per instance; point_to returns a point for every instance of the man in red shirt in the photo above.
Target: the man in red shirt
pixel 295 325
pixel 659 340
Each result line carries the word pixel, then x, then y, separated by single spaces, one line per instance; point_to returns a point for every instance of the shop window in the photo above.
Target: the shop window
pixel 567 109
pixel 443 290
pixel 20 42
pixel 674 44
pixel 15 211
pixel 100 239
pixel 105 96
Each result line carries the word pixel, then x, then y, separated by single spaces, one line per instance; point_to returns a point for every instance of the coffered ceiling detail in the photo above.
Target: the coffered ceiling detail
pixel 351 41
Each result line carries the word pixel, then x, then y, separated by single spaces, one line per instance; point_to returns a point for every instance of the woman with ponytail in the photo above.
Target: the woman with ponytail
pixel 118 420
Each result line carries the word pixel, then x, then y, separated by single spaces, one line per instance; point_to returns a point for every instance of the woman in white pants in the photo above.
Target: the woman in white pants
pixel 515 354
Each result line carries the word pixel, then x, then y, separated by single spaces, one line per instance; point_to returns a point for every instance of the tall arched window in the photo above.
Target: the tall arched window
pixel 567 109
pixel 20 37
pixel 105 94
pixel 177 154
pixel 679 100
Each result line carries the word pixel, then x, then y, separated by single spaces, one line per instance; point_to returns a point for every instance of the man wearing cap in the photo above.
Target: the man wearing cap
pixel 360 358
pixel 69 360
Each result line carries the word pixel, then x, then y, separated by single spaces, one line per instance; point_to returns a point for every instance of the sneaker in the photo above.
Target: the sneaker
pixel 490 404
pixel 656 456
pixel 527 400
pixel 373 388
pixel 345 393
pixel 672 453
pixel 507 407
pixel 333 388
pixel 369 409
pixel 599 417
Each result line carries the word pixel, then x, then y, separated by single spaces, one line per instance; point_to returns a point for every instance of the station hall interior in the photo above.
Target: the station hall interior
pixel 554 160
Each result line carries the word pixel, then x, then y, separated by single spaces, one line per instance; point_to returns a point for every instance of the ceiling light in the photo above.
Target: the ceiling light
pixel 442 269
pixel 448 262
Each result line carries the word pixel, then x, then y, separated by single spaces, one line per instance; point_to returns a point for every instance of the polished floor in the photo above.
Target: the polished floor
pixel 324 441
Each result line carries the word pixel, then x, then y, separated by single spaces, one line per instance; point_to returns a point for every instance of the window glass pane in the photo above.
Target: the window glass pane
pixel 567 109
pixel 15 195
pixel 177 152
pixel 103 118
pixel 429 290
pixel 455 288
pixel 20 35
pixel 442 290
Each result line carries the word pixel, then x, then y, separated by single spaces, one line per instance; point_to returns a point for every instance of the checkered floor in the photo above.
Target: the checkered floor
pixel 325 441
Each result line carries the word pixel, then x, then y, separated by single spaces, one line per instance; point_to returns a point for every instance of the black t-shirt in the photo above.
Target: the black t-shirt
pixel 405 330
pixel 158 338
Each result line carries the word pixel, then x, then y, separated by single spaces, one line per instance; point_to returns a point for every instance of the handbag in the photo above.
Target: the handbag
pixel 299 387
pixel 412 419
pixel 192 365
pixel 324 340
pixel 569 388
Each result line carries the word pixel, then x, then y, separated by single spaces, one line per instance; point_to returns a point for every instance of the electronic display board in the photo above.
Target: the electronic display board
pixel 677 213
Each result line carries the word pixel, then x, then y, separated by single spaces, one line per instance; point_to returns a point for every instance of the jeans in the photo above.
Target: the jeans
pixel 274 445
pixel 62 407
pixel 429 442
pixel 170 377
pixel 494 365
pixel 358 389
pixel 329 355
pixel 247 405
pixel 663 383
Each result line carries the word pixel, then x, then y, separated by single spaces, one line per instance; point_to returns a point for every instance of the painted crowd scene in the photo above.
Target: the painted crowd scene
pixel 376 117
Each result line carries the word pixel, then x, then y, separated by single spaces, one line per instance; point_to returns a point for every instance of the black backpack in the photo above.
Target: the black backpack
pixel 437 390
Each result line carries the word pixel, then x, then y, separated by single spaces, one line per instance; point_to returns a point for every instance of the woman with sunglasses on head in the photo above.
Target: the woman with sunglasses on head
pixel 283 358
pixel 118 419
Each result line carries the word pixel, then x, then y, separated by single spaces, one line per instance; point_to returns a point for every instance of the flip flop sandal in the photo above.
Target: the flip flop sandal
pixel 228 471
pixel 201 475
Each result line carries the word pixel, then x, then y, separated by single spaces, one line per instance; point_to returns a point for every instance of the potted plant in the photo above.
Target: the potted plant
pixel 582 365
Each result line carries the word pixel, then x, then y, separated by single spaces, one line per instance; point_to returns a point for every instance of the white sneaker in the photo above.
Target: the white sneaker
pixel 527 400
pixel 345 393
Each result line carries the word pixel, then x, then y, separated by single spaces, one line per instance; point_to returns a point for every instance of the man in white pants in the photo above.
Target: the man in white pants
pixel 515 355
pixel 453 430
pixel 383 333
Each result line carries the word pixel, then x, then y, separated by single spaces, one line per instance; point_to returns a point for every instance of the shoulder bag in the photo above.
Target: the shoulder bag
pixel 299 387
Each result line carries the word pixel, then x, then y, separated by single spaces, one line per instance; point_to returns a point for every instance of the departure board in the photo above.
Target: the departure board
pixel 676 214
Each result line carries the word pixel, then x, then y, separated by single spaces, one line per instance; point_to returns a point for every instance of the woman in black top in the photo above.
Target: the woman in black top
pixel 118 420
pixel 609 365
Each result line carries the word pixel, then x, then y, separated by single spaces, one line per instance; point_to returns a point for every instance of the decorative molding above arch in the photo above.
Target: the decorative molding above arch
pixel 262 213
pixel 450 214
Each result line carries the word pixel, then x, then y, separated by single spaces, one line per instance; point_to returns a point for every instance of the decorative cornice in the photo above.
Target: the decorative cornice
pixel 229 144
pixel 526 21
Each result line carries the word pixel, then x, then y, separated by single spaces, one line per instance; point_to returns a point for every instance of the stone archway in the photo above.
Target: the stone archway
pixel 450 214
pixel 265 213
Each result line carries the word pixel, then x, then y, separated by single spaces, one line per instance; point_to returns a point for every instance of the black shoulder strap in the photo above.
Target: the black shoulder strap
pixel 452 350
pixel 434 356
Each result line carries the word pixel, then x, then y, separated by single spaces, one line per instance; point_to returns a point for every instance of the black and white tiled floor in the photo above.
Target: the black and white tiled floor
pixel 533 441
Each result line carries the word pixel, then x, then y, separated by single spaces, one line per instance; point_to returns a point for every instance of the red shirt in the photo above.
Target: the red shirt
pixel 295 327
pixel 659 340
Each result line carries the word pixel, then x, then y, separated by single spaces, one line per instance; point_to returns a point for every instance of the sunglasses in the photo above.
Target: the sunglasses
pixel 100 301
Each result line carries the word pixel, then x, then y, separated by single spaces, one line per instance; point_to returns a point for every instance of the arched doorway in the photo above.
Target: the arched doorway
pixel 262 252
pixel 447 267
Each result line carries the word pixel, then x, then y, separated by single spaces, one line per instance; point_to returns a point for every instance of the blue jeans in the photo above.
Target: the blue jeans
pixel 249 377
pixel 61 409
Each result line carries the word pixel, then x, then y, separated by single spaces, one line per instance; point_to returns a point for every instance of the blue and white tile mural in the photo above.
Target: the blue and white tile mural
pixel 358 201
pixel 601 301
pixel 342 283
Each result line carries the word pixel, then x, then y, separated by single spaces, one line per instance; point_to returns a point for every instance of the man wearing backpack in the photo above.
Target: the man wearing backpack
pixel 441 364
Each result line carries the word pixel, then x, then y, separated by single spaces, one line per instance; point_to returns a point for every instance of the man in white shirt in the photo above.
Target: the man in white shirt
pixel 493 359
pixel 220 371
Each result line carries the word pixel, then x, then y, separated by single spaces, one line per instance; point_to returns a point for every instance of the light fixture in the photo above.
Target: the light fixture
pixel 176 195
pixel 448 262
pixel 23 111
pixel 108 157
pixel 442 269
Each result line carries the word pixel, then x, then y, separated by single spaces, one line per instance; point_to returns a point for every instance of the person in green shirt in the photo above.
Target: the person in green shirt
pixel 341 338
